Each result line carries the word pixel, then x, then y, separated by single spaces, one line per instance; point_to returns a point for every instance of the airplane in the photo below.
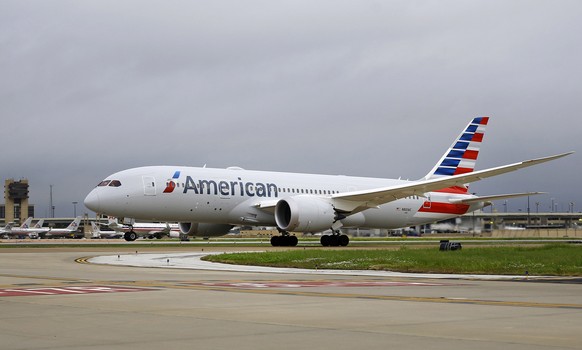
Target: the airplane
pixel 209 202
pixel 25 229
pixel 97 233
pixel 6 230
pixel 63 232
pixel 144 229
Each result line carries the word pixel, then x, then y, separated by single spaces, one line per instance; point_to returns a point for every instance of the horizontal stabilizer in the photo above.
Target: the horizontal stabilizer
pixel 494 197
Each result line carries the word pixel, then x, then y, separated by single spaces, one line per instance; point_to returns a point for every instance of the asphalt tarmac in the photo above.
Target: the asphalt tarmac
pixel 58 299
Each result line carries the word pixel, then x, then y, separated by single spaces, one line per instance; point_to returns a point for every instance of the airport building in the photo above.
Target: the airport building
pixel 16 205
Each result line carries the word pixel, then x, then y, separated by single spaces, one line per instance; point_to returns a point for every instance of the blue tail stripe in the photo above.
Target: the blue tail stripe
pixel 461 145
pixel 466 137
pixel 472 128
pixel 450 162
pixel 455 154
pixel 445 171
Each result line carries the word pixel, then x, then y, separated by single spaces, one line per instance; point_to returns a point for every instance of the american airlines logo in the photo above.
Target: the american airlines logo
pixel 224 188
pixel 171 184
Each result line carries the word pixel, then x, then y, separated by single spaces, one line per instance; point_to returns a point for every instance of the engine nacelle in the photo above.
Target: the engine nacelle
pixel 197 229
pixel 304 214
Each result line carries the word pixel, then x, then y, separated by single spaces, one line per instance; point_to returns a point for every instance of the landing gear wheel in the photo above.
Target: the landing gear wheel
pixel 284 241
pixel 344 240
pixel 275 241
pixel 130 236
pixel 334 240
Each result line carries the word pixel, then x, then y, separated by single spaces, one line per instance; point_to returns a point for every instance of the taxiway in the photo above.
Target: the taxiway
pixel 57 303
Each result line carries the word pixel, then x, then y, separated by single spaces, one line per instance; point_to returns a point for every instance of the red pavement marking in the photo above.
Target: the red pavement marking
pixel 19 292
pixel 304 284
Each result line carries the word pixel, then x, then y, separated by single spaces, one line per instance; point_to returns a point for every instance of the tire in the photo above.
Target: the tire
pixel 344 240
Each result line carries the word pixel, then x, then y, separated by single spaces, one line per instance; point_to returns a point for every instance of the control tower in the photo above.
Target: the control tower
pixel 16 200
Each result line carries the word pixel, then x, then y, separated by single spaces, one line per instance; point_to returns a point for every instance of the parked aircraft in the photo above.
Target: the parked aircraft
pixel 63 232
pixel 144 229
pixel 208 202
pixel 6 230
pixel 96 232
pixel 25 229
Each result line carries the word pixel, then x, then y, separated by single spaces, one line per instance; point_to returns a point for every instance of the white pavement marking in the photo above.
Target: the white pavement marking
pixel 193 261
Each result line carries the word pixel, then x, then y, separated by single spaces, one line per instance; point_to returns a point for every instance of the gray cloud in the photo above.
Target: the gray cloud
pixel 366 88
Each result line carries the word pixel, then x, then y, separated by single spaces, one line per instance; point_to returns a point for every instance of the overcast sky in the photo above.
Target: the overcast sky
pixel 366 88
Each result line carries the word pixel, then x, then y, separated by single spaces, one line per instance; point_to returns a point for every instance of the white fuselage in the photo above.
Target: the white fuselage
pixel 232 196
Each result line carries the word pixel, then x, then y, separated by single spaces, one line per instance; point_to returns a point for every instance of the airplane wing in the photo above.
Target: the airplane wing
pixel 350 201
pixel 355 201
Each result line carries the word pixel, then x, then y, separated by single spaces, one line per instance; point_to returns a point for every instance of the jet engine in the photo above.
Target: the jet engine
pixel 197 229
pixel 304 214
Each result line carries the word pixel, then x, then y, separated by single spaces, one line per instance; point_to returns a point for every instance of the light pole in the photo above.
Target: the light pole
pixel 75 209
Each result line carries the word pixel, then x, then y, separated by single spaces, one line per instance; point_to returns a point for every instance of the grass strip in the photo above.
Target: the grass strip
pixel 548 260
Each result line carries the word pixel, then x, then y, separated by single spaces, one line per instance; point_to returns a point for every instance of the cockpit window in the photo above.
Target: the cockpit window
pixel 110 183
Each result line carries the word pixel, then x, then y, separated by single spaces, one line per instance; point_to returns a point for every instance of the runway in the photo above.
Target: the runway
pixel 60 303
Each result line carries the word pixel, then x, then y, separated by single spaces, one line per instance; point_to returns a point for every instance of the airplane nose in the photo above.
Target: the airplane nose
pixel 92 201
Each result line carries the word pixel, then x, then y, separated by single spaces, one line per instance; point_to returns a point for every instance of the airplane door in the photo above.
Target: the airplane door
pixel 427 203
pixel 149 185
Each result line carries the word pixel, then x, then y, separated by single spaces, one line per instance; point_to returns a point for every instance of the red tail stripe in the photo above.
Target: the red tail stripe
pixel 471 154
pixel 460 171
pixel 444 208
pixel 477 137
pixel 454 189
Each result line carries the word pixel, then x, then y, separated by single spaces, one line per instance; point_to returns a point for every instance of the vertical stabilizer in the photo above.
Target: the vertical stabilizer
pixel 26 223
pixel 73 226
pixel 461 157
pixel 39 223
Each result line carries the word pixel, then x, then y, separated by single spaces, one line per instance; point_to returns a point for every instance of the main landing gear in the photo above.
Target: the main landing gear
pixel 130 236
pixel 284 241
pixel 335 240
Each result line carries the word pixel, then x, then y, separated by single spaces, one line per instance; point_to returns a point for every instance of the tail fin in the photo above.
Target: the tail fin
pixel 461 157
pixel 95 227
pixel 39 223
pixel 73 226
pixel 26 223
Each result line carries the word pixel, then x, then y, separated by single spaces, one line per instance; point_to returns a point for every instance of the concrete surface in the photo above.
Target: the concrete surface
pixel 74 305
